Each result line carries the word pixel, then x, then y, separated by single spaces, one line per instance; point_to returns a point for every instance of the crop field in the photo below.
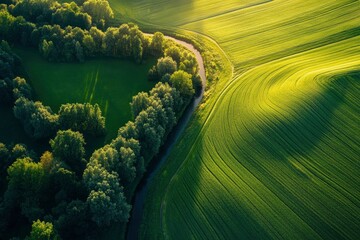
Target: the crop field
pixel 277 155
pixel 109 82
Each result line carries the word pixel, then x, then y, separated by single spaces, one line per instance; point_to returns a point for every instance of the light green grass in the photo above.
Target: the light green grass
pixel 275 152
pixel 111 83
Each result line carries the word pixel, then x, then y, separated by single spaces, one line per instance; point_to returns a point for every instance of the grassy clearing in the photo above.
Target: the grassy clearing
pixel 274 152
pixel 109 82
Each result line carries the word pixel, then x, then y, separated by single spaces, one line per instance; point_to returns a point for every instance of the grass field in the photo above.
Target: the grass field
pixel 275 152
pixel 109 82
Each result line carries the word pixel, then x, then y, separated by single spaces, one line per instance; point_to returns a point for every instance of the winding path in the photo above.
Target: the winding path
pixel 156 164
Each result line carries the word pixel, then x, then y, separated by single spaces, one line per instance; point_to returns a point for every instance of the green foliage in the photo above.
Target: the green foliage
pixel 137 49
pixel 19 151
pixel 41 230
pixel 11 88
pixel 131 160
pixel 34 10
pixel 99 10
pixel 188 63
pixel 89 45
pixel 27 181
pixel 70 14
pixel 38 120
pixel 47 50
pixel 9 62
pixel 74 222
pixel 157 43
pixel 166 65
pixel 150 132
pixel 174 52
pixel 106 200
pixel 139 102
pixel 68 146
pixel 183 83
pixel 153 74
pixel 272 135
pixel 86 118
pixel 21 88
pixel 107 157
pixel 4 164
pixel 115 164
pixel 127 168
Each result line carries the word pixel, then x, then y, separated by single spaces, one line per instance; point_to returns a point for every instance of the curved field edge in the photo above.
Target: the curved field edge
pixel 195 194
pixel 154 199
pixel 219 72
pixel 293 173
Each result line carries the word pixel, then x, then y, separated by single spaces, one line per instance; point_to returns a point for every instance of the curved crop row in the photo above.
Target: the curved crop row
pixel 278 156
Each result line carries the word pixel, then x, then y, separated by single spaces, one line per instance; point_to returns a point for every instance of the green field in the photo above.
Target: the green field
pixel 274 152
pixel 109 82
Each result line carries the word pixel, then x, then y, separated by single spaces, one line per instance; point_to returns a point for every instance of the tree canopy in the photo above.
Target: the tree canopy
pixel 85 118
pixel 41 230
pixel 68 146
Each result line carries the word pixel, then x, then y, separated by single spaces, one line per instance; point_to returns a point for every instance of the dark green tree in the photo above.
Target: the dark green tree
pixel 183 83
pixel 27 182
pixel 157 43
pixel 68 146
pixel 165 65
pixel 107 157
pixel 106 200
pixel 86 118
pixel 99 10
pixel 38 120
pixel 139 102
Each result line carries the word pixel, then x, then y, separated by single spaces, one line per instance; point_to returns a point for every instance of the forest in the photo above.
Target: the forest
pixel 66 192
pixel 161 119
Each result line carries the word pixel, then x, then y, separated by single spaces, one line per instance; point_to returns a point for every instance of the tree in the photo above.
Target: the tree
pixel 183 83
pixel 127 169
pixel 86 118
pixel 68 146
pixel 79 52
pixel 38 120
pixel 174 52
pixel 170 100
pixel 128 131
pixel 150 132
pixel 139 102
pixel 157 43
pixel 98 10
pixel 48 50
pixel 34 11
pixel 165 65
pixel 110 41
pixel 21 88
pixel 41 230
pixel 108 157
pixel 27 181
pixel 97 36
pixel 5 91
pixel 189 63
pixel 4 163
pixel 106 200
pixel 153 74
pixel 89 45
pixel 70 14
pixel 74 222
pixel 137 49
pixel 19 151
pixel 130 151
pixel 106 209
